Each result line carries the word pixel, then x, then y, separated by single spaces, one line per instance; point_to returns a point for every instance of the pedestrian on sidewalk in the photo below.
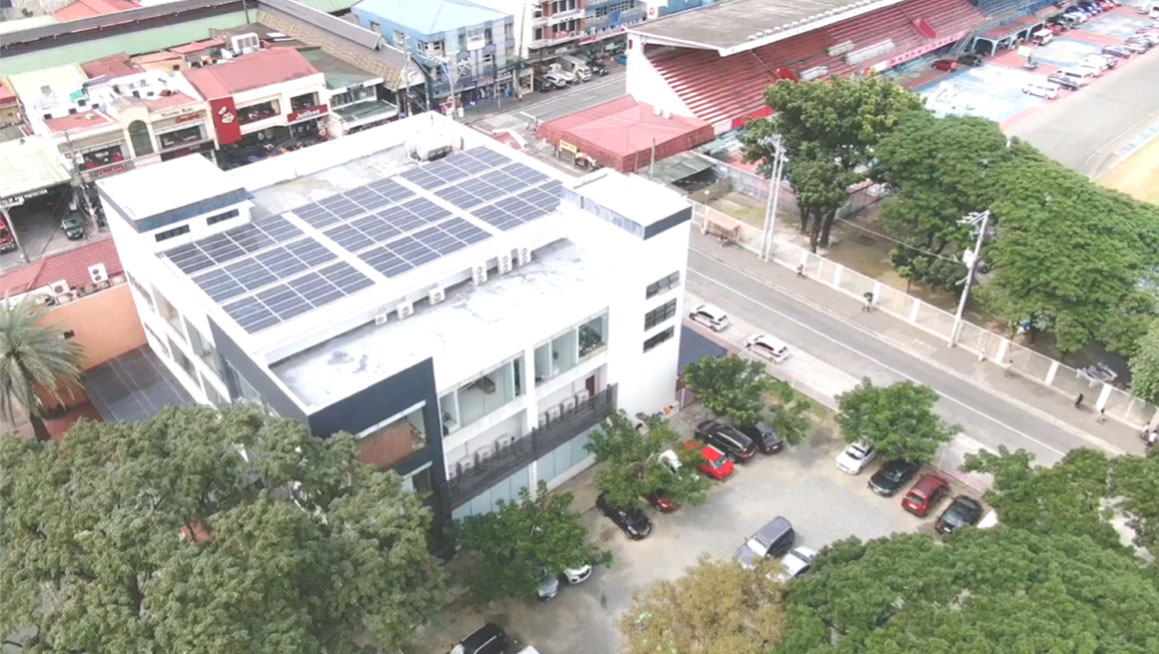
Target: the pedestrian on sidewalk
pixel 801 270
pixel 868 301
pixel 1102 417
pixel 1078 401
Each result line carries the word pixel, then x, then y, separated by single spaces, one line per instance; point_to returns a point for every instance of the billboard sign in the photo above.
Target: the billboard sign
pixel 225 120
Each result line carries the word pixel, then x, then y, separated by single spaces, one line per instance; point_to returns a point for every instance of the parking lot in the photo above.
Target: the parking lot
pixel 801 484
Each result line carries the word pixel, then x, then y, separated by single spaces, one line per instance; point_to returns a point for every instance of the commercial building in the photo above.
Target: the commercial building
pixel 469 319
pixel 466 51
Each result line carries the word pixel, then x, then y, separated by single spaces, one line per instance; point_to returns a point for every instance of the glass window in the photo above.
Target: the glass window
pixel 139 136
pixel 660 314
pixel 212 220
pixel 449 406
pixel 183 361
pixel 385 446
pixel 593 335
pixel 564 355
pixel 421 482
pixel 203 349
pixel 658 338
pixel 256 112
pixel 170 233
pixel 661 285
pixel 489 391
pixel 178 137
pixel 102 156
pixel 302 102
pixel 142 291
pixel 168 312
pixel 211 393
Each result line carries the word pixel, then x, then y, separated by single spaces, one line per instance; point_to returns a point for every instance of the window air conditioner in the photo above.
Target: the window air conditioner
pixel 381 319
pixel 504 442
pixel 452 472
pixel 436 295
pixel 568 404
pixel 466 465
pixel 59 288
pixel 98 273
pixel 504 263
pixel 582 396
pixel 479 274
pixel 524 256
pixel 405 309
pixel 484 455
pixel 553 413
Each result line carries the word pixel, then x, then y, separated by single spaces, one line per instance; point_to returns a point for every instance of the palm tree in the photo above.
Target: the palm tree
pixel 30 355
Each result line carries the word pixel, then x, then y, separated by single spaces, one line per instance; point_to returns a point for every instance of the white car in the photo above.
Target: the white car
pixel 855 457
pixel 1041 89
pixel 549 585
pixel 1102 62
pixel 670 460
pixel 796 563
pixel 712 317
pixel 768 347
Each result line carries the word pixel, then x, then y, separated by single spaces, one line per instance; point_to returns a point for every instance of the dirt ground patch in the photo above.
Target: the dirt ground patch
pixel 1137 175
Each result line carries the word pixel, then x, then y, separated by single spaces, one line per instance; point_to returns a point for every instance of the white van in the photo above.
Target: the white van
pixel 1081 76
pixel 577 66
pixel 1041 89
pixel 1042 37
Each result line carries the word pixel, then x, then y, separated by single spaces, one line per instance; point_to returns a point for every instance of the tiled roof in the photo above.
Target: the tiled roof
pixel 198 46
pixel 177 99
pixel 250 72
pixel 111 66
pixel 154 57
pixel 90 8
pixel 71 266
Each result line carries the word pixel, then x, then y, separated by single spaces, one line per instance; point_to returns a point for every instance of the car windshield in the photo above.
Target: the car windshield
pixel 718 463
pixel 855 452
pixel 915 498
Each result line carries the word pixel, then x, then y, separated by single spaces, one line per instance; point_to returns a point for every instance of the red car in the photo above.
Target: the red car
pixel 925 494
pixel 948 65
pixel 661 502
pixel 715 464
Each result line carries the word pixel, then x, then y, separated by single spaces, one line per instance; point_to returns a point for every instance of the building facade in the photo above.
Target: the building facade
pixel 470 320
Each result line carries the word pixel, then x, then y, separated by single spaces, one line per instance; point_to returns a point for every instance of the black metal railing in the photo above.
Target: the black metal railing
pixel 541 440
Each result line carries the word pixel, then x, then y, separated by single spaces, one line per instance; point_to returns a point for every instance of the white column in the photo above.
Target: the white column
pixel 1051 373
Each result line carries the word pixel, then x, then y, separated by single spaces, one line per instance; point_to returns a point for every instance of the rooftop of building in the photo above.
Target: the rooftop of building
pixel 6 94
pixel 151 190
pixel 172 101
pixel 631 196
pixel 79 122
pixel 30 164
pixel 431 16
pixel 249 72
pixel 339 74
pixel 59 80
pixel 269 36
pixel 89 8
pixel 9 26
pixel 71 266
pixel 744 24
pixel 154 57
pixel 198 46
pixel 112 66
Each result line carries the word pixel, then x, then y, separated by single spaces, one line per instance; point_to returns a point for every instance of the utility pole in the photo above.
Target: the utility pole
pixel 970 258
pixel 768 237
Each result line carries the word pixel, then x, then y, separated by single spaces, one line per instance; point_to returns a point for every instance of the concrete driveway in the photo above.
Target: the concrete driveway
pixel 801 484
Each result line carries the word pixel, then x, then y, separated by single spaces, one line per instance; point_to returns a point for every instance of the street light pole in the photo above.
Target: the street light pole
pixel 769 236
pixel 970 257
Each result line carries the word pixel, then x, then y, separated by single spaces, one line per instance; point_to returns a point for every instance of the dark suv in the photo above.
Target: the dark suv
pixel 632 520
pixel 765 438
pixel 892 476
pixel 964 511
pixel 488 639
pixel 726 439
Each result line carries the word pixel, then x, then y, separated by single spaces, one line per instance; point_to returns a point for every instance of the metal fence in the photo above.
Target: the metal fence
pixel 989 346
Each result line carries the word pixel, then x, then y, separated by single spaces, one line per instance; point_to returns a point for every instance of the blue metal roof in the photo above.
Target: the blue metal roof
pixel 429 16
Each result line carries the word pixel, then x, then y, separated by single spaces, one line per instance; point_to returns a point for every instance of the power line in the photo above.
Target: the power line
pixel 899 242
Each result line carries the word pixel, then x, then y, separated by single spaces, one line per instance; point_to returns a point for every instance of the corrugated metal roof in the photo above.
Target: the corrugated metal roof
pixel 250 72
pixel 30 164
pixel 9 26
pixel 329 6
pixel 324 21
pixel 430 16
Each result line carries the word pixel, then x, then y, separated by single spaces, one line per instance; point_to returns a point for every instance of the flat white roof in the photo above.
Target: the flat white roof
pixel 30 164
pixel 150 190
pixel 470 332
pixel 631 196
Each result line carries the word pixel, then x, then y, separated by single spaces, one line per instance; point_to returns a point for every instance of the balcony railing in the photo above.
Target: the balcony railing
pixel 542 440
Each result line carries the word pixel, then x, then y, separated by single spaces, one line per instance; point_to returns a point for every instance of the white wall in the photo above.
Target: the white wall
pixel 645 83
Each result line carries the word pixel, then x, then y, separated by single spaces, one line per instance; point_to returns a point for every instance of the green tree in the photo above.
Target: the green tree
pixel 986 591
pixel 518 542
pixel 789 414
pixel 1145 366
pixel 730 386
pixel 899 420
pixel 163 536
pixel 33 356
pixel 634 469
pixel 717 607
pixel 829 129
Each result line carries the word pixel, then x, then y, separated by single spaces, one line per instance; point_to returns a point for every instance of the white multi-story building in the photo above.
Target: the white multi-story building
pixel 469 319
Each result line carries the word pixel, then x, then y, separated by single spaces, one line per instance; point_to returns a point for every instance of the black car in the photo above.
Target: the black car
pixel 726 439
pixel 1118 51
pixel 488 639
pixel 892 476
pixel 598 68
pixel 73 227
pixel 970 59
pixel 765 437
pixel 965 511
pixel 1063 81
pixel 632 520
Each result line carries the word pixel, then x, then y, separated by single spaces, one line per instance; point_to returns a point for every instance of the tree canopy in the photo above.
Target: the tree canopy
pixel 633 469
pixel 829 129
pixel 717 607
pixel 162 536
pixel 789 413
pixel 33 356
pixel 730 386
pixel 981 591
pixel 899 420
pixel 521 540
pixel 1145 366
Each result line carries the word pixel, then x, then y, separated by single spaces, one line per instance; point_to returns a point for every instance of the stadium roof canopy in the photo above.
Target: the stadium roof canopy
pixel 739 25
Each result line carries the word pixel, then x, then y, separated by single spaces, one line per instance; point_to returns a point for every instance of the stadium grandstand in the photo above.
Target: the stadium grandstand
pixel 714 63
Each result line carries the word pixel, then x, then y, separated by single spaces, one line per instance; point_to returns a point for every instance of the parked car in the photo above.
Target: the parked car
pixel 727 439
pixel 855 457
pixel 598 68
pixel 1150 37
pixel 971 59
pixel 549 585
pixel 73 227
pixel 543 85
pixel 891 476
pixel 925 494
pixel 1117 51
pixel 765 438
pixel 1063 81
pixel 1099 61
pixel 797 562
pixel 712 317
pixel 768 347
pixel 773 539
pixel 1041 89
pixel 632 520
pixel 948 65
pixel 488 639
pixel 1136 46
pixel 661 502
pixel 963 512
pixel 715 464
pixel 558 79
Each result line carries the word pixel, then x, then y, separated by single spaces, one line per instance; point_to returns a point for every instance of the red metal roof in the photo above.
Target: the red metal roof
pixel 177 99
pixel 6 94
pixel 71 266
pixel 250 72
pixel 111 66
pixel 90 8
pixel 198 46
pixel 90 120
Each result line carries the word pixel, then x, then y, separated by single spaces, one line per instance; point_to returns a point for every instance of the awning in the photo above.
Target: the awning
pixel 30 165
pixel 680 166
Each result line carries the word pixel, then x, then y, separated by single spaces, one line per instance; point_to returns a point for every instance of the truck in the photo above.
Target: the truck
pixel 557 71
pixel 577 67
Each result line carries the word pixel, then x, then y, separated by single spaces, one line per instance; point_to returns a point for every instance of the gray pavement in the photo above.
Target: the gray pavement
pixel 801 484
pixel 1092 130
pixel 992 408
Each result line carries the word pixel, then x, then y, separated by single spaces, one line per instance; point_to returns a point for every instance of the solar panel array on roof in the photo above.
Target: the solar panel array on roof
pixel 230 245
pixel 314 289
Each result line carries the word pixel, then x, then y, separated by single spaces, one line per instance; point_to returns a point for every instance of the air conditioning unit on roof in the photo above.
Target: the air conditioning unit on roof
pixel 479 274
pixel 98 273
pixel 524 256
pixel 466 465
pixel 59 288
pixel 406 309
pixel 436 295
pixel 485 454
pixel 504 263
pixel 380 319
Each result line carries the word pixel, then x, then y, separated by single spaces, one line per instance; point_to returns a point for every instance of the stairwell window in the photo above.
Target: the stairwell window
pixel 171 233
pixel 659 338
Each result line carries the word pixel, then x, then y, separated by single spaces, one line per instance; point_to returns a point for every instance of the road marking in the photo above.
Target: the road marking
pixel 1079 434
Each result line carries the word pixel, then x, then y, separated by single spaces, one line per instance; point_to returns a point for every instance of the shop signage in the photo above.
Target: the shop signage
pixel 186 119
pixel 110 171
pixel 177 112
pixel 917 52
pixel 604 35
pixel 17 200
pixel 306 114
pixel 564 146
pixel 225 120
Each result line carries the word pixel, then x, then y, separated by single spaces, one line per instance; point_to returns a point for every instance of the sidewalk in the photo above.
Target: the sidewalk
pixel 1030 396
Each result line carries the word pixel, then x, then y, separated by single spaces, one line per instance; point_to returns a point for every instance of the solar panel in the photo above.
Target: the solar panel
pixel 280 262
pixel 251 314
pixel 219 285
pixel 422 178
pixel 250 273
pixel 277 228
pixel 385 261
pixel 315 288
pixel 472 166
pixel 310 251
pixel 487 156
pixel 345 277
pixel 283 301
pixel 317 215
pixel 425 209
pixel 189 258
pixel 401 219
pixel 390 189
pixel 349 237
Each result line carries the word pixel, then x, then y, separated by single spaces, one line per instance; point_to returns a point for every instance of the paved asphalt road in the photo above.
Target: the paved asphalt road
pixel 1084 131
pixel 984 415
